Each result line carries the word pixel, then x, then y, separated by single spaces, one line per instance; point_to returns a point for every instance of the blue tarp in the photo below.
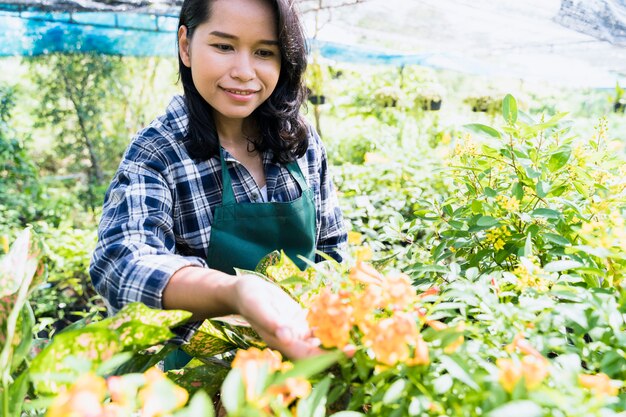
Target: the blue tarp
pixel 35 33
pixel 136 34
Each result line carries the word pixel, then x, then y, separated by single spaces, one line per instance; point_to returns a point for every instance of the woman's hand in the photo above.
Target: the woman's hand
pixel 276 317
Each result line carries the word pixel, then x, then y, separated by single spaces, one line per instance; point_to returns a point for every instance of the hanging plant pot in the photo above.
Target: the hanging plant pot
pixel 431 105
pixel 619 106
pixel 317 99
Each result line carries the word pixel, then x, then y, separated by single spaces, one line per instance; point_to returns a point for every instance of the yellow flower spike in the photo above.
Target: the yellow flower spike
pixel 354 238
pixel 4 242
pixel 364 253
pixel 600 384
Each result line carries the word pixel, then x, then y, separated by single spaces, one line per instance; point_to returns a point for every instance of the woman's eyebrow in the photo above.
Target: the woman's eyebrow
pixel 229 36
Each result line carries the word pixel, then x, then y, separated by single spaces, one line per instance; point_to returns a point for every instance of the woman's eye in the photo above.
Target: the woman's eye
pixel 265 53
pixel 222 47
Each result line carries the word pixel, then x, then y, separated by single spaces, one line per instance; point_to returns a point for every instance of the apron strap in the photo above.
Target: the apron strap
pixel 294 169
pixel 228 195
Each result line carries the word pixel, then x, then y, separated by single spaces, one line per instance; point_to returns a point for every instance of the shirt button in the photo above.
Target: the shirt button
pixel 255 196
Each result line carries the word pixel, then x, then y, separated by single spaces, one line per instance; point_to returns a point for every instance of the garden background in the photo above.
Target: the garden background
pixel 478 154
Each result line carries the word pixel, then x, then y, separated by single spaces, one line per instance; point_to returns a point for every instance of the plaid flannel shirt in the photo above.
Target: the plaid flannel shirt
pixel 159 207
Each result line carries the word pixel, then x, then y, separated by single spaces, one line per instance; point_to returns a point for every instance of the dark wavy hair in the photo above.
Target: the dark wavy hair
pixel 282 128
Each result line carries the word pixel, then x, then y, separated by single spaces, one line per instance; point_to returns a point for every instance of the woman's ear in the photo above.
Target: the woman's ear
pixel 183 46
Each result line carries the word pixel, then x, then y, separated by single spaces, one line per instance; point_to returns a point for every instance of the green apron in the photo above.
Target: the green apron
pixel 243 233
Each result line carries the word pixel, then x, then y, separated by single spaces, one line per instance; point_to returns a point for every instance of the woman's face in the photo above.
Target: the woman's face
pixel 234 57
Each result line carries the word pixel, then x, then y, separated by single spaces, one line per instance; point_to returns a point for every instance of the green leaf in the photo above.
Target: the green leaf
pixel 487 221
pixel 490 192
pixel 521 408
pixel 442 384
pixel 308 367
pixel 528 246
pixel 546 212
pixel 563 265
pixel 208 341
pixel 517 191
pixel 480 128
pixel 17 393
pixel 348 414
pixel 315 404
pixel 394 392
pixel 559 159
pixel 556 239
pixel 204 377
pixel 199 405
pixel 509 109
pixel 458 370
pixel 233 393
pixel 543 188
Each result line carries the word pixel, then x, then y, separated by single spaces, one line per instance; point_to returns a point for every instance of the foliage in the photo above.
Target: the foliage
pixel 534 201
pixel 79 110
pixel 18 176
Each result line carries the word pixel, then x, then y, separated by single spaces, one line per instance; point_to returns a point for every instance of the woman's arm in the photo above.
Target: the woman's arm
pixel 278 319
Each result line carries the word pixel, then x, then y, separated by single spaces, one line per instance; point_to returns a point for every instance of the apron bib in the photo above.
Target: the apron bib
pixel 243 233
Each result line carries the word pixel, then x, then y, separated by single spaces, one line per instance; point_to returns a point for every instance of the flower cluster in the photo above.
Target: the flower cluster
pixel 529 274
pixel 508 204
pixel 153 395
pixel 378 312
pixel 497 237
pixel 254 365
pixel 532 367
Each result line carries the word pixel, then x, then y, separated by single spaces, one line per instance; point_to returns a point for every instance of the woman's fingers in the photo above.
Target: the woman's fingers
pixel 278 319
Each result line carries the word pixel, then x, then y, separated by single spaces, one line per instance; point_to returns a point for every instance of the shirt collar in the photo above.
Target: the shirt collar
pixel 177 116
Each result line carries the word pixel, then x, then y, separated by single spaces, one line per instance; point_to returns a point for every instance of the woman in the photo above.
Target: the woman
pixel 229 173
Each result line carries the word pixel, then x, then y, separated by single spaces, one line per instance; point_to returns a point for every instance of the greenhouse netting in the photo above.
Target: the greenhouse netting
pixel 569 41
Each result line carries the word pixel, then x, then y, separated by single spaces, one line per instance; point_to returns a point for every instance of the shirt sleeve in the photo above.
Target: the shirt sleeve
pixel 332 238
pixel 135 256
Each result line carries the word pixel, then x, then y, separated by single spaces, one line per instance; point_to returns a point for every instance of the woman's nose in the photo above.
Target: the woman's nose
pixel 243 68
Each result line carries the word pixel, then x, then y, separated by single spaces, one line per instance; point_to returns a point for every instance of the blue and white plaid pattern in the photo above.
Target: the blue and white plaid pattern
pixel 159 207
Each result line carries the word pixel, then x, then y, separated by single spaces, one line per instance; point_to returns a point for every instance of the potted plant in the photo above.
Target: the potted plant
pixel 484 103
pixel 317 81
pixel 429 97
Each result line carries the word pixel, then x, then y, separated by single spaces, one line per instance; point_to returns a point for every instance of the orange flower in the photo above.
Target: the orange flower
pixel 251 363
pixel 291 389
pixel 390 339
pixel 154 402
pixel 600 384
pixel 510 373
pixel 365 274
pixel 330 318
pixel 522 345
pixel 84 398
pixel 399 293
pixel 120 392
pixel 365 304
pixel 420 355
pixel 533 369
